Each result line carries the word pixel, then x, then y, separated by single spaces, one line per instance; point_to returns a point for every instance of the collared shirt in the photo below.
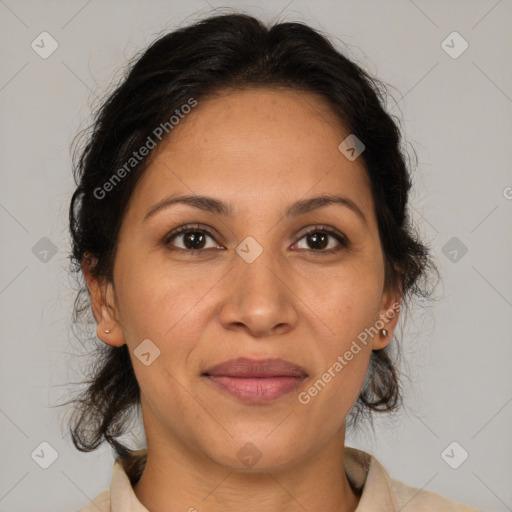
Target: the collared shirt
pixel 380 493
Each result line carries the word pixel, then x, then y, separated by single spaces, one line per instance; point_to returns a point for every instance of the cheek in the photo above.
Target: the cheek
pixel 171 312
pixel 156 301
pixel 347 300
pixel 348 309
pixel 172 309
pixel 348 303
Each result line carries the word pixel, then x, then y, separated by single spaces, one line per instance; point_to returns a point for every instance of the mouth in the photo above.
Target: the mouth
pixel 256 381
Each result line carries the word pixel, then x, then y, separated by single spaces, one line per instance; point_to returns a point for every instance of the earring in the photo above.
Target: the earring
pixel 107 330
pixel 383 332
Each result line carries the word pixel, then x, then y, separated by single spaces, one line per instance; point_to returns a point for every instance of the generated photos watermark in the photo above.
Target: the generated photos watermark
pixel 137 156
pixel 304 397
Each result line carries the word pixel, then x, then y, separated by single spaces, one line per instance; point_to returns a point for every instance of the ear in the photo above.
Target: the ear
pixel 388 315
pixel 103 305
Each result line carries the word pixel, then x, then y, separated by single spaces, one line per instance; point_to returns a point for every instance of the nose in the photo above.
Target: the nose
pixel 259 298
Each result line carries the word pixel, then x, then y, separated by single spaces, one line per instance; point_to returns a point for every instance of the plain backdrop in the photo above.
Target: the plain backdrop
pixel 456 112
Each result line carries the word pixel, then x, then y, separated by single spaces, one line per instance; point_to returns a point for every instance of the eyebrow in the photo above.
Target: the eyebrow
pixel 212 205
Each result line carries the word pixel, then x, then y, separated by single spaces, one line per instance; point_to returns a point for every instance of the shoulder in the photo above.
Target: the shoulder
pixel 412 499
pixel 100 503
pixel 381 492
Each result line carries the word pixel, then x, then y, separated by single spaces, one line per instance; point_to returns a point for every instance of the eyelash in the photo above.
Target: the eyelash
pixel 343 241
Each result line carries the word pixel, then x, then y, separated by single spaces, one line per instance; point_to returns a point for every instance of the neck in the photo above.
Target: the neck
pixel 177 479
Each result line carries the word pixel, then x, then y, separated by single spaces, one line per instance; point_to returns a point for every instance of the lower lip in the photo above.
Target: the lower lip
pixel 257 390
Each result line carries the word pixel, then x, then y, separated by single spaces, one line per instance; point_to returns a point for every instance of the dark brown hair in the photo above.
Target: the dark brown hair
pixel 227 52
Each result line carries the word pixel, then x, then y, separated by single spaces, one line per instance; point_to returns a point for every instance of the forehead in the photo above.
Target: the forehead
pixel 255 145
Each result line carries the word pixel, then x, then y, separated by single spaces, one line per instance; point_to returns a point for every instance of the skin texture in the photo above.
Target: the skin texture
pixel 259 150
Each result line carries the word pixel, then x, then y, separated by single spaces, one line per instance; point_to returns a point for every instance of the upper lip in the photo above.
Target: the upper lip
pixel 246 367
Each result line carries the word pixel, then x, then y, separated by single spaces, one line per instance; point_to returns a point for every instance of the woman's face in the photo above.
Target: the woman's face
pixel 249 283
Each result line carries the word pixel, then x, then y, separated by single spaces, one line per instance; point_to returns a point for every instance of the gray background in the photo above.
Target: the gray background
pixel 456 114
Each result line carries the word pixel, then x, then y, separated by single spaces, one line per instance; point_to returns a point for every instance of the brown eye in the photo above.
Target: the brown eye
pixel 191 239
pixel 194 239
pixel 324 240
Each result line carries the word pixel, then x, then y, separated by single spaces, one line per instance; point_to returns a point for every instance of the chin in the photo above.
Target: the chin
pixel 257 454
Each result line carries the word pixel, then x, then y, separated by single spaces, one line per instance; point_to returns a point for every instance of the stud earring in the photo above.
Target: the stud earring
pixel 107 330
pixel 383 332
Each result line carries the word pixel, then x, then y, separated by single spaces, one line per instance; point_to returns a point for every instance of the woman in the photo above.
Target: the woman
pixel 240 220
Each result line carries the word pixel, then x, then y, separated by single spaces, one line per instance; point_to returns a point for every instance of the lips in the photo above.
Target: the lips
pixel 256 381
pixel 245 367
